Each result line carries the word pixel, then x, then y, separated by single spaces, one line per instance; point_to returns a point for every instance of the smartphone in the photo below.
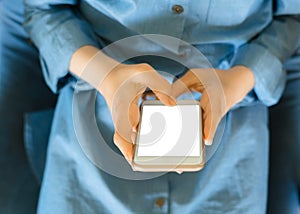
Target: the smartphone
pixel 169 138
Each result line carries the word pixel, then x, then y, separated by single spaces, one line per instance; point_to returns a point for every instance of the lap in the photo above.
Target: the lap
pixel 235 178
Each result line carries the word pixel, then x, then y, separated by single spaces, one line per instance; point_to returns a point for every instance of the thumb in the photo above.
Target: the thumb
pixel 160 87
pixel 210 125
pixel 134 113
pixel 126 148
pixel 164 98
pixel 187 83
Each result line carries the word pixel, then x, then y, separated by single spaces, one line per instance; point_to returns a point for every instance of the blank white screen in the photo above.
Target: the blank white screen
pixel 169 131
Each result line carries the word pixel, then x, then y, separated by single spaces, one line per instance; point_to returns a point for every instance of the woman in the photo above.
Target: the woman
pixel 243 43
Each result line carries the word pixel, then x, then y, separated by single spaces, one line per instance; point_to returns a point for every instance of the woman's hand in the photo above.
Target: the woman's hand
pixel 122 89
pixel 121 85
pixel 221 90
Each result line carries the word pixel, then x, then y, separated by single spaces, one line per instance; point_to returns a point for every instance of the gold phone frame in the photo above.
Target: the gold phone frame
pixel 167 163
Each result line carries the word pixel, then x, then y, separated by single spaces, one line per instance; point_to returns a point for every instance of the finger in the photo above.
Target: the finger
pixel 133 137
pixel 187 83
pixel 165 98
pixel 181 86
pixel 210 118
pixel 134 113
pixel 122 119
pixel 210 125
pixel 204 103
pixel 160 86
pixel 206 130
pixel 125 109
pixel 126 148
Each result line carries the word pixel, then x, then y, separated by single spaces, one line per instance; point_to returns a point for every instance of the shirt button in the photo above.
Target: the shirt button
pixel 160 202
pixel 177 9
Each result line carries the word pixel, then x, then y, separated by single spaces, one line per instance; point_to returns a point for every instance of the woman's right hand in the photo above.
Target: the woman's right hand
pixel 122 88
pixel 121 85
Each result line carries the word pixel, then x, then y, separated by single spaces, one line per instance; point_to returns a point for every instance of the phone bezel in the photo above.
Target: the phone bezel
pixel 169 163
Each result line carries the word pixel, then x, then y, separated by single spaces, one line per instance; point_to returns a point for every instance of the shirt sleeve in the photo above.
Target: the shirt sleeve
pixel 58 30
pixel 265 54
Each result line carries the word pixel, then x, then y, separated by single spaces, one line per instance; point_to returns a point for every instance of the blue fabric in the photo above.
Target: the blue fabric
pixel 22 91
pixel 228 33
pixel 37 129
pixel 208 22
pixel 234 180
pixel 284 182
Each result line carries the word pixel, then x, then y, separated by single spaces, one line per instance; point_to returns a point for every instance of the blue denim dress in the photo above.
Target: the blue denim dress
pixel 227 34
pixel 284 181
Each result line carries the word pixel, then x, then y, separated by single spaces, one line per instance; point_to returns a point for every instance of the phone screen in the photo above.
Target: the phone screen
pixel 169 131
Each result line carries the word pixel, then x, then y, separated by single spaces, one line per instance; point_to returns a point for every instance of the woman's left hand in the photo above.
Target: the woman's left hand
pixel 221 90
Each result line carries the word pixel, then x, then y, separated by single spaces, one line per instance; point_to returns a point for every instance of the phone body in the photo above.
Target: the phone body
pixel 169 138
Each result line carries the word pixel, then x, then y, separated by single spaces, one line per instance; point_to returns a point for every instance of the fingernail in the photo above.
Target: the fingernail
pixel 134 129
pixel 133 137
pixel 129 159
pixel 172 101
pixel 207 142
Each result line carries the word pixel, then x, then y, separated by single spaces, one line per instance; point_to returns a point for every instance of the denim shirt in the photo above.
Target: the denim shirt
pixel 248 36
pixel 256 33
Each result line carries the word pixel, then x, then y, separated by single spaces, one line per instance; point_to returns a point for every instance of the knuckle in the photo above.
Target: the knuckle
pixel 115 139
pixel 145 67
